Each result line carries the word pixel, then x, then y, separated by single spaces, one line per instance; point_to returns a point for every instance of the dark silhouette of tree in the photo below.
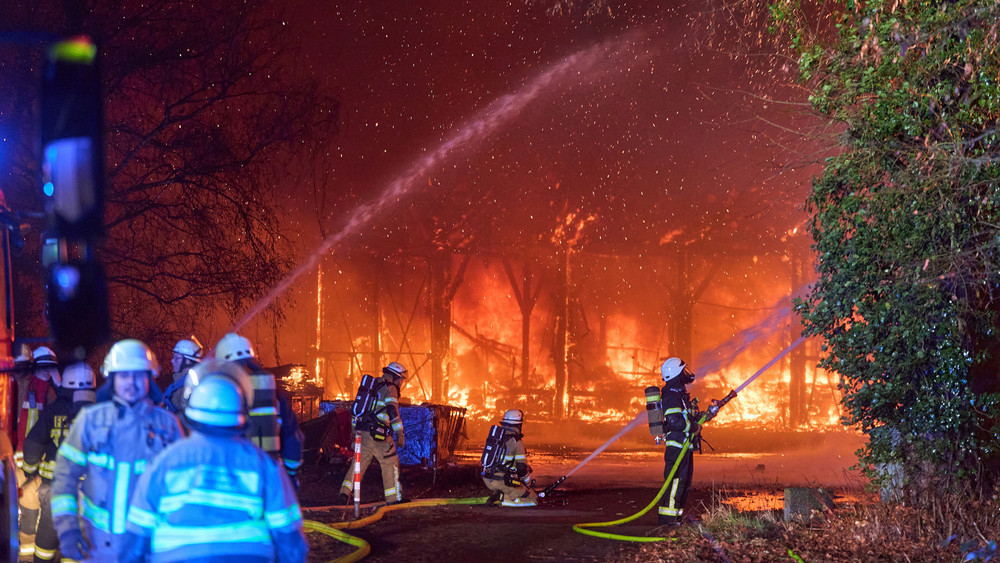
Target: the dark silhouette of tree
pixel 204 106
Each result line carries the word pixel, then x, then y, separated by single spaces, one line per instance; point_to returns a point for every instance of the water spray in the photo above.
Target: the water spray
pixel 708 415
pixel 718 404
pixel 635 422
pixel 596 60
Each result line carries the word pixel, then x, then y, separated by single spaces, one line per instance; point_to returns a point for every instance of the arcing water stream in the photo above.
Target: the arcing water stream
pixel 595 61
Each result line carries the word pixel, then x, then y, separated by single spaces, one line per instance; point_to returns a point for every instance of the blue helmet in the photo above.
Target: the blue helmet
pixel 218 394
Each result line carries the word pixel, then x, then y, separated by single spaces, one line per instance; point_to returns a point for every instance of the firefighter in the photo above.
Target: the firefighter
pixel 215 496
pixel 74 390
pixel 673 421
pixel 377 427
pixel 508 473
pixel 108 446
pixel 24 375
pixel 38 392
pixel 273 426
pixel 187 354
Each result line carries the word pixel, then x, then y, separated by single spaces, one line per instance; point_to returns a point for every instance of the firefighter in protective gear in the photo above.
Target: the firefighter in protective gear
pixel 187 353
pixel 510 475
pixel 215 496
pixel 377 427
pixel 107 391
pixel 672 420
pixel 38 392
pixel 74 390
pixel 108 447
pixel 273 426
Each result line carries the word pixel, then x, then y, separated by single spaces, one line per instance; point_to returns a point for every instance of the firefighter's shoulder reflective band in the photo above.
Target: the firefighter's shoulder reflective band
pixel 72 454
pixel 63 504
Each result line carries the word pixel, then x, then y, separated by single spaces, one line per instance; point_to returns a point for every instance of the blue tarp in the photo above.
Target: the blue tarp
pixel 432 431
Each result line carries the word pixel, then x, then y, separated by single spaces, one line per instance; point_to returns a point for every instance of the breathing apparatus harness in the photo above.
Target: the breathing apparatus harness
pixel 494 452
pixel 365 408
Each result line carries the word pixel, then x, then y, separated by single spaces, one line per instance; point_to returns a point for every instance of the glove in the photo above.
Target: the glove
pixel 696 430
pixel 660 440
pixel 400 441
pixel 72 545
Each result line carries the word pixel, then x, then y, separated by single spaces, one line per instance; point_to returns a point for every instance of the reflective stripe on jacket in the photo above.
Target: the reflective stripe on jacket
pixel 678 421
pixel 213 496
pixel 108 447
pixel 42 442
pixel 264 429
pixel 387 408
pixel 515 459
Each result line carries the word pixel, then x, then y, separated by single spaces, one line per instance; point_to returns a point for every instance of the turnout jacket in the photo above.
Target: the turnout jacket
pixel 109 446
pixel 384 414
pixel 34 395
pixel 273 425
pixel 515 460
pixel 211 497
pixel 42 442
pixel 678 416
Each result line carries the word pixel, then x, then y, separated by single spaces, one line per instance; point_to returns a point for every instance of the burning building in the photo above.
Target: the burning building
pixel 576 334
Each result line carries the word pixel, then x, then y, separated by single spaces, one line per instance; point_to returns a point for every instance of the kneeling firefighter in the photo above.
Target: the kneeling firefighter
pixel 376 416
pixel 505 463
pixel 215 496
pixel 673 421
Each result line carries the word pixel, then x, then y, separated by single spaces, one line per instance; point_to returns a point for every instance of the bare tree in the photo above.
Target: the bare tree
pixel 203 108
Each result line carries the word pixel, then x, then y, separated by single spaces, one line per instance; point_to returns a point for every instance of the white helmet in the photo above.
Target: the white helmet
pixel 513 417
pixel 233 347
pixel 395 368
pixel 218 394
pixel 44 357
pixel 217 401
pixel 671 369
pixel 78 376
pixel 130 355
pixel 189 348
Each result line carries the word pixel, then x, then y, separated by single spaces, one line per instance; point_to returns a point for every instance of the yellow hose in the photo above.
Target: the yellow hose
pixel 581 528
pixel 334 530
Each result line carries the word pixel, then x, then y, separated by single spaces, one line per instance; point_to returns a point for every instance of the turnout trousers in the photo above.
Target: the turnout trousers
pixel 671 509
pixel 513 495
pixel 384 453
pixel 46 539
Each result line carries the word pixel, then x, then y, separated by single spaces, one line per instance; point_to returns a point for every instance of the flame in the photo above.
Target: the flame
pixel 766 401
pixel 606 373
pixel 570 230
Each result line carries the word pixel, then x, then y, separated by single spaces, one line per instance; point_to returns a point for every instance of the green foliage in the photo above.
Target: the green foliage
pixel 905 221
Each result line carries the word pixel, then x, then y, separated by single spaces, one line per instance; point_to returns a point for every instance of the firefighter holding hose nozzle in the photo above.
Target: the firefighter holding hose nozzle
pixel 673 421
pixel 505 463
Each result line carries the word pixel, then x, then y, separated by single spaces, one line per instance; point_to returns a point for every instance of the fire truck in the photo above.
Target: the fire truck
pixel 8 405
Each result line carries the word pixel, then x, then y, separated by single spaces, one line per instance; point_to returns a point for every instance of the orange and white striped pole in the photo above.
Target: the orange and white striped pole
pixel 357 473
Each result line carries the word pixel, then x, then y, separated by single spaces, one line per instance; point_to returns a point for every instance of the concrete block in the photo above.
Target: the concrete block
pixel 800 502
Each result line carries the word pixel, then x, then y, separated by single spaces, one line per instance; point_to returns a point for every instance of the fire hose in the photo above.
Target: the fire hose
pixel 334 530
pixel 706 417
